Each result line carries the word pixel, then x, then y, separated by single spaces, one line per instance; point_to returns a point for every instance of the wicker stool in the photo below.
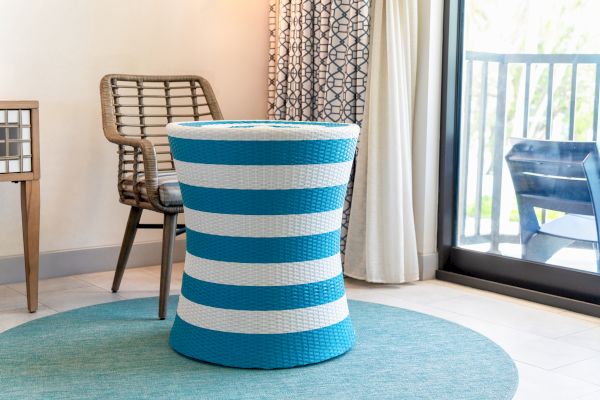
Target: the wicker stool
pixel 263 284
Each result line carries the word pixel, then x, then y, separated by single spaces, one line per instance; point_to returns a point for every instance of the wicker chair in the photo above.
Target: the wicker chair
pixel 135 110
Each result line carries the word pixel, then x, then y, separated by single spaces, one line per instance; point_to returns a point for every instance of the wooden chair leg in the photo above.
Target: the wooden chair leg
pixel 169 231
pixel 30 215
pixel 132 223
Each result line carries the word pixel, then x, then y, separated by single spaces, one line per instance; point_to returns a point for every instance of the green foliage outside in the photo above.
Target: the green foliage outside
pixel 486 211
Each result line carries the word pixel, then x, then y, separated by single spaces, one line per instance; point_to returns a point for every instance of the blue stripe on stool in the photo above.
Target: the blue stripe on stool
pixel 262 298
pixel 268 350
pixel 278 152
pixel 263 250
pixel 263 202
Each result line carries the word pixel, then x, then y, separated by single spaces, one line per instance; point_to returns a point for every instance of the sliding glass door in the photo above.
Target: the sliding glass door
pixel 519 168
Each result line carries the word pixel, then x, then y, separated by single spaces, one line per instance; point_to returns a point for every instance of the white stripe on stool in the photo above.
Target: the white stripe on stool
pixel 263 225
pixel 262 132
pixel 246 274
pixel 262 322
pixel 263 176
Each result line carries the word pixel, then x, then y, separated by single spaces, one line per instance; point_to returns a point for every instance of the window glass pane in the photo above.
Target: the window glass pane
pixel 529 120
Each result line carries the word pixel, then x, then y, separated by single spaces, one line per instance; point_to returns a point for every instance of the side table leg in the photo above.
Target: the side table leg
pixel 30 215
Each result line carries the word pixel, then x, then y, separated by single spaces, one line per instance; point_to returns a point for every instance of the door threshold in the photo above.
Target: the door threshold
pixel 565 303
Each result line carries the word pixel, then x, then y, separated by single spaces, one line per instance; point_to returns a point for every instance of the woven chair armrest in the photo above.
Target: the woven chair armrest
pixel 125 141
pixel 148 155
pixel 150 169
pixel 148 158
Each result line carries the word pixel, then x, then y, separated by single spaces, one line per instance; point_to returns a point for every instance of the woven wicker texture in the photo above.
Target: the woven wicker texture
pixel 272 274
pixel 263 284
pixel 135 111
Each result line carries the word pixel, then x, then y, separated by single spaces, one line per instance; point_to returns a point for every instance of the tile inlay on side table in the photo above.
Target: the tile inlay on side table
pixel 20 162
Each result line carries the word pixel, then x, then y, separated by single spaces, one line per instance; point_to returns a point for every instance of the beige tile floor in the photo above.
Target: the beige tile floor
pixel 557 352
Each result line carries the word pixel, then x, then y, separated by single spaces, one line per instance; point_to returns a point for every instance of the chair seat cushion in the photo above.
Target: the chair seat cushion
pixel 168 189
pixel 169 192
pixel 572 226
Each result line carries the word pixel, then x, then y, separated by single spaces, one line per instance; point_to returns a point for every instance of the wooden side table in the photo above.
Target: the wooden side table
pixel 20 162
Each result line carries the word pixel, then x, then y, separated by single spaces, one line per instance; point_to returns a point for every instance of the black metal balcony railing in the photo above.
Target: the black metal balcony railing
pixel 494 142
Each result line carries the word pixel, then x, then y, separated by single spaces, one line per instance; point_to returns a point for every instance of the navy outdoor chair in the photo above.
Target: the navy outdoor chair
pixel 561 176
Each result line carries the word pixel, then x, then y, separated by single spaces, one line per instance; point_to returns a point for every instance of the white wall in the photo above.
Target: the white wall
pixel 56 51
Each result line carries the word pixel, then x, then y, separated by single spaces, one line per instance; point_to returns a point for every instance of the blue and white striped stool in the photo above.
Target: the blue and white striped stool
pixel 263 284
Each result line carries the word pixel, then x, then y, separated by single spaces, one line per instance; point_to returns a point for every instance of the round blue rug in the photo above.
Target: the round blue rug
pixel 120 351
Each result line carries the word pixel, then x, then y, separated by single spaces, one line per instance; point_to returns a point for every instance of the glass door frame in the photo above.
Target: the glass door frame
pixel 549 284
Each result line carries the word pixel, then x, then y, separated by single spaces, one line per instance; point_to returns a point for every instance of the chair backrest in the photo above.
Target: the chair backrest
pixel 140 106
pixel 551 175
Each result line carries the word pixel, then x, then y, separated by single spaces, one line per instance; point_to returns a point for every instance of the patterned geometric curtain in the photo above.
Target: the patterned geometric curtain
pixel 319 52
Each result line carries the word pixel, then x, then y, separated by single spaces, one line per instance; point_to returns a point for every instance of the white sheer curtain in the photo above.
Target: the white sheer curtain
pixel 382 238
